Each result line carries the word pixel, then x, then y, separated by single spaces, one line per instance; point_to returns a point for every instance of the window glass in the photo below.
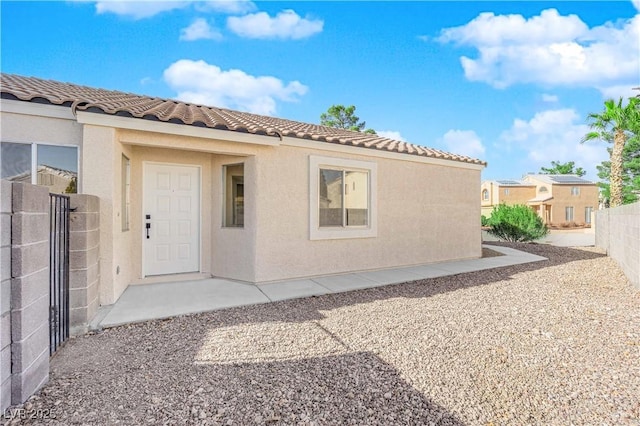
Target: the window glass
pixel 58 168
pixel 506 191
pixel 356 198
pixel 126 192
pixel 543 189
pixel 575 190
pixel 485 194
pixel 587 214
pixel 330 197
pixel 234 195
pixel 16 161
pixel 568 213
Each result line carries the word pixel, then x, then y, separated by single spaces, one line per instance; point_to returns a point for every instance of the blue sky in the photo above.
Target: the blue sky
pixel 508 82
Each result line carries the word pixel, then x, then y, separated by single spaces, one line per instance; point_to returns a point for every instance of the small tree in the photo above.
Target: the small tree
pixel 342 117
pixel 558 168
pixel 516 223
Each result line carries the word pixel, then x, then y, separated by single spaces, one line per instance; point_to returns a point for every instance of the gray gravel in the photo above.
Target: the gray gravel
pixel 553 342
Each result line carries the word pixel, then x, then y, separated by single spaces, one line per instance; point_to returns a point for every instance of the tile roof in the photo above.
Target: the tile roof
pixel 512 182
pixel 82 98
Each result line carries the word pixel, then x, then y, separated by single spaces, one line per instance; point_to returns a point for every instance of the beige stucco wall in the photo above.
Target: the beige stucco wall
pixel 32 128
pixel 562 198
pixel 426 213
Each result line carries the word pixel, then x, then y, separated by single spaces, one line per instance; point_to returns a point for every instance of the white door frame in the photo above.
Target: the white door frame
pixel 142 215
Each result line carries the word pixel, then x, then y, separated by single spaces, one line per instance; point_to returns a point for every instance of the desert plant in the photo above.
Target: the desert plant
pixel 516 223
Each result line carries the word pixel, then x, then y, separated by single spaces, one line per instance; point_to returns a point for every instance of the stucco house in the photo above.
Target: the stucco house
pixel 558 199
pixel 187 188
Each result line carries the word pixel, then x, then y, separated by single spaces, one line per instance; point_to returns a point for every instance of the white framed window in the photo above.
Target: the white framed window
pixel 342 198
pixel 568 214
pixel 53 166
pixel 587 214
pixel 126 192
pixel 485 194
pixel 506 191
pixel 575 190
pixel 233 183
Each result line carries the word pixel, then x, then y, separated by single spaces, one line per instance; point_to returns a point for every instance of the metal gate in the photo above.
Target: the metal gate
pixel 58 271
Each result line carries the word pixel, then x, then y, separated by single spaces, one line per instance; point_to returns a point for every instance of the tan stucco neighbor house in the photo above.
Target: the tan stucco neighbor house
pixel 187 188
pixel 558 199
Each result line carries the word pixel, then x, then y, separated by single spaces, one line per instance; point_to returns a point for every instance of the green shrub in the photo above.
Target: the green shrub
pixel 484 221
pixel 516 223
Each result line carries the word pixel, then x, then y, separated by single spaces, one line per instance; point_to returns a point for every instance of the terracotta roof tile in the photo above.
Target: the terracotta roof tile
pixel 112 102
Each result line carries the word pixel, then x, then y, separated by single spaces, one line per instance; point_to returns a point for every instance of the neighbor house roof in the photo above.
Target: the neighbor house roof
pixel 561 179
pixel 511 182
pixel 82 98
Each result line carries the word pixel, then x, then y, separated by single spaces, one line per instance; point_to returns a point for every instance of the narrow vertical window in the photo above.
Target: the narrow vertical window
pixel 126 192
pixel 587 215
pixel 575 190
pixel 233 178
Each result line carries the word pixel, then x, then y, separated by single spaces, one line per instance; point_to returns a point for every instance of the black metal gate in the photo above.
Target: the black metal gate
pixel 58 271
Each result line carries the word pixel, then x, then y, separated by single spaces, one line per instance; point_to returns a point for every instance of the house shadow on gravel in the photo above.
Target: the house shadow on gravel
pixel 159 385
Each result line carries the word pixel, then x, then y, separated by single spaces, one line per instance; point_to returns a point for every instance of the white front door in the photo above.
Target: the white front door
pixel 171 213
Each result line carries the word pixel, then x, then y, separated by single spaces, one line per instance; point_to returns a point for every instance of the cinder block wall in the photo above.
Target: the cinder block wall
pixel 84 256
pixel 5 294
pixel 618 232
pixel 29 290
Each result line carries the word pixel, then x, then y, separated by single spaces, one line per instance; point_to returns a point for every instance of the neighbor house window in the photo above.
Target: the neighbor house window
pixel 233 178
pixel 126 191
pixel 568 214
pixel 543 189
pixel 575 190
pixel 485 194
pixel 506 191
pixel 53 166
pixel 587 214
pixel 342 202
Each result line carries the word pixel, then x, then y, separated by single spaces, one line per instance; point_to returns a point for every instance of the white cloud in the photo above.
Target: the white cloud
pixel 198 30
pixel 636 4
pixel 463 142
pixel 202 83
pixel 230 7
pixel 139 9
pixel 391 134
pixel 546 97
pixel 286 24
pixel 549 49
pixel 555 135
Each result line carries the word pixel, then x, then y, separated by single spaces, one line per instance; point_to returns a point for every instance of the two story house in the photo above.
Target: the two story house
pixel 558 199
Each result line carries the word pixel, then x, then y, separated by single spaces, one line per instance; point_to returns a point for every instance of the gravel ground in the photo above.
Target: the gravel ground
pixel 553 342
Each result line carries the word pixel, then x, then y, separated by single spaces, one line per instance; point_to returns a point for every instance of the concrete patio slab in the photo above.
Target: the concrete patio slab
pixel 344 282
pixel 162 300
pixel 292 289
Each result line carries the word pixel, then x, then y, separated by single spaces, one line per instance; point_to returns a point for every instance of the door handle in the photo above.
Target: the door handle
pixel 148 226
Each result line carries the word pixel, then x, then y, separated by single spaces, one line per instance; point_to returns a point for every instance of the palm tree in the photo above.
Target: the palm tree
pixel 615 124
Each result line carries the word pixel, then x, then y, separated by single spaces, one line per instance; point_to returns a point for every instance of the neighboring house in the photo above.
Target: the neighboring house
pixel 558 199
pixel 186 188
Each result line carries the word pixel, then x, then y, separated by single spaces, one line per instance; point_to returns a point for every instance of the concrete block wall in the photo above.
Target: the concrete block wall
pixel 84 257
pixel 5 294
pixel 29 290
pixel 618 232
